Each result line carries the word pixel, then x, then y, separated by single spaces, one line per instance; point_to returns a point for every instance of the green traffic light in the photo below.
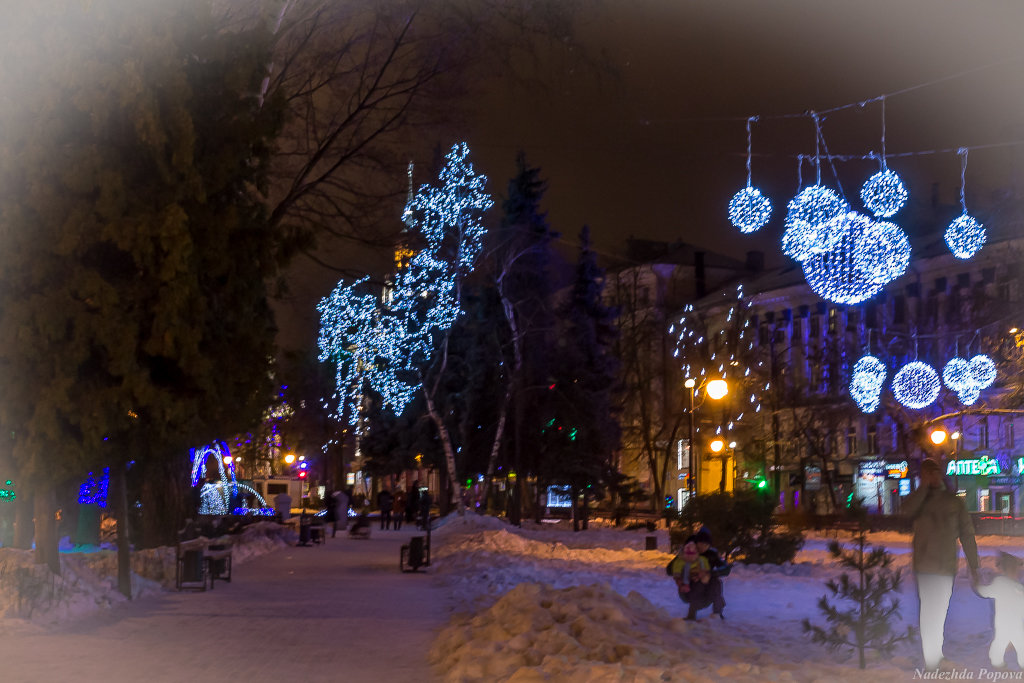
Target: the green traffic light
pixel 761 484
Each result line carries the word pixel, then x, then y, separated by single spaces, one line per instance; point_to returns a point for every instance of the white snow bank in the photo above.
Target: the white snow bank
pixel 592 633
pixel 32 597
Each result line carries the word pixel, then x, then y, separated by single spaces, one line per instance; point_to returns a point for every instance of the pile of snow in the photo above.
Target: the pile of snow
pixel 88 582
pixel 539 633
pixel 545 603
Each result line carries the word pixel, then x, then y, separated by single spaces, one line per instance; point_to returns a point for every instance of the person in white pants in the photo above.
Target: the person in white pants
pixel 940 520
pixel 1008 594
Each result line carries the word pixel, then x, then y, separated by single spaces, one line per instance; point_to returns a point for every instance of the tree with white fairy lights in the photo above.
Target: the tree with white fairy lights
pixel 398 346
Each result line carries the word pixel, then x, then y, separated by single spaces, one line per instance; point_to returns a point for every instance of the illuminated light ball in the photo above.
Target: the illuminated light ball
pixel 796 240
pixel 882 253
pixel 965 236
pixel 983 371
pixel 916 385
pixel 957 374
pixel 834 275
pixel 969 395
pixel 816 205
pixel 884 194
pixel 866 382
pixel 749 210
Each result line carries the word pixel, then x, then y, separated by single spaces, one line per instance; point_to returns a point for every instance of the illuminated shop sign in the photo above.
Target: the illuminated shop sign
pixel 883 469
pixel 982 466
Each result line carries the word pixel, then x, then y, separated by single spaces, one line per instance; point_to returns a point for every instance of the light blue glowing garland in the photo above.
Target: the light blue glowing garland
pixel 884 194
pixel 916 385
pixel 866 382
pixel 749 209
pixel 385 343
pixel 807 217
pixel 965 236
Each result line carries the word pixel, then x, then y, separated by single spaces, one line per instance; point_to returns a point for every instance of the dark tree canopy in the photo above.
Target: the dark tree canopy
pixel 135 246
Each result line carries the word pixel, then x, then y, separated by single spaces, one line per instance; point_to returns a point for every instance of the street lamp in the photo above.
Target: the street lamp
pixel 716 389
pixel 938 436
pixel 717 445
pixel 290 458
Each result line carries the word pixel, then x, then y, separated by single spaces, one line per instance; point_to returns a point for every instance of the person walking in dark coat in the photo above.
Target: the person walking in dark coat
pixel 412 504
pixel 424 511
pixel 385 502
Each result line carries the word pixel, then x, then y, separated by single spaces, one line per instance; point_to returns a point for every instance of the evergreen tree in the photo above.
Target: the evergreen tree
pixel 867 623
pixel 584 434
pixel 524 261
pixel 134 320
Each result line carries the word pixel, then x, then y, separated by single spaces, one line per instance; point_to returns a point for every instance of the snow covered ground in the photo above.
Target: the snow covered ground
pixel 545 604
pixel 499 603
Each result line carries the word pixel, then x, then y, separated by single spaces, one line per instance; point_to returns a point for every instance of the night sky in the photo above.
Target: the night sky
pixel 655 146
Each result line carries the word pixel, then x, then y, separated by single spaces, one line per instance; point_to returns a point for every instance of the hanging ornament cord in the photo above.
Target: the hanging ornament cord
pixel 799 172
pixel 884 167
pixel 963 176
pixel 749 121
pixel 820 141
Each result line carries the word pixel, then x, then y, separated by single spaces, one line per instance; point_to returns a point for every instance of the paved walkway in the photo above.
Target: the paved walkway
pixel 335 612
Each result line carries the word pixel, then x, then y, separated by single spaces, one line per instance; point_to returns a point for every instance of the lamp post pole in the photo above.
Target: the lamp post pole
pixel 691 482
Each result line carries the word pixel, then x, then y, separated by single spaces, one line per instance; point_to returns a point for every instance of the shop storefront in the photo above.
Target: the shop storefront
pixel 985 485
pixel 880 484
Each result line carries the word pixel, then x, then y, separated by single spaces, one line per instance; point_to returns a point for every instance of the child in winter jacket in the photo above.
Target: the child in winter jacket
pixel 1008 594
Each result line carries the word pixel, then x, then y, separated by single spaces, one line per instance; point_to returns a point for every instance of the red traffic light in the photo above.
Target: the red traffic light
pixel 302 474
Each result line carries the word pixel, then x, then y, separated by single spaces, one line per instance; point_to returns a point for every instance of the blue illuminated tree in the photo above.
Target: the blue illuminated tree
pixel 398 345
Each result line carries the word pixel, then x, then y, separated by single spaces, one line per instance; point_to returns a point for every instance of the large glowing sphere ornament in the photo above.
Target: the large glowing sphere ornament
pixel 983 371
pixel 884 194
pixel 834 274
pixel 969 395
pixel 815 205
pixel 866 382
pixel 965 236
pixel 916 385
pixel 882 253
pixel 749 210
pixel 956 374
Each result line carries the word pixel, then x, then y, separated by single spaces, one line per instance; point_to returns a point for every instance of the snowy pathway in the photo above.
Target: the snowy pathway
pixel 288 615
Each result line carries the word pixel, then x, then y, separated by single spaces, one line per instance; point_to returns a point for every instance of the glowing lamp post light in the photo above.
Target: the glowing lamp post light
pixel 290 458
pixel 717 445
pixel 716 389
pixel 938 436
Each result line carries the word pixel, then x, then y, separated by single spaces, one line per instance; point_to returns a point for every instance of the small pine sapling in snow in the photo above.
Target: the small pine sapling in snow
pixel 868 622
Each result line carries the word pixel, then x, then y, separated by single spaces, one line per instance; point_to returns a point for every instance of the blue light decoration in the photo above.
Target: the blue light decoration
pixel 969 394
pixel 834 274
pixel 7 492
pixel 882 253
pixel 866 382
pixel 916 385
pixel 983 371
pixel 884 193
pixel 956 374
pixel 214 498
pixel 965 236
pixel 749 209
pixel 384 343
pixel 94 489
pixel 807 217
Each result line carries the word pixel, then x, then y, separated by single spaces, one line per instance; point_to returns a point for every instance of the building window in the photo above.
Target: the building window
pixel 1011 440
pixel 872 439
pixel 899 310
pixel 963 280
pixel 851 441
pixel 940 284
pixel 832 320
pixel 815 327
pixel 983 433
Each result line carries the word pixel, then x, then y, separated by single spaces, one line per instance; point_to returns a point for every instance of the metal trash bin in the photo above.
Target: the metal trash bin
pixel 414 554
pixel 652 543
